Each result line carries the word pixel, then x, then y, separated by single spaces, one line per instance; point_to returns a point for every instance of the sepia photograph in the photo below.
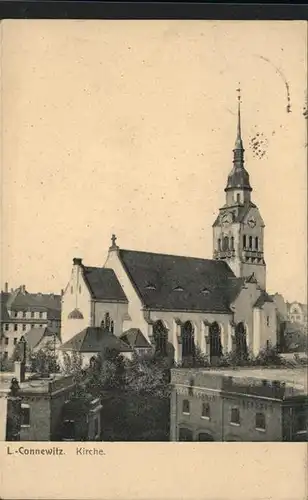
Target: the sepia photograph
pixel 153 233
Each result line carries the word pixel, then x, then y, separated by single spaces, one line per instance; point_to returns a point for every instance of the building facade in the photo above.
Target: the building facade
pixel 181 303
pixel 297 312
pixel 22 311
pixel 231 405
pixel 45 409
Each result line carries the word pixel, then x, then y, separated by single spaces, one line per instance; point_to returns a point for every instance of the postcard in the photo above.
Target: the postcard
pixel 153 259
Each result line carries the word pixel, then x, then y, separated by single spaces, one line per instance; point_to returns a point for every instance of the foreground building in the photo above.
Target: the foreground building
pixel 239 405
pixel 179 302
pixel 21 311
pixel 45 409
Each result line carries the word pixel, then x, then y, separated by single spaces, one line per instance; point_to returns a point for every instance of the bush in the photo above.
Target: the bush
pixel 269 356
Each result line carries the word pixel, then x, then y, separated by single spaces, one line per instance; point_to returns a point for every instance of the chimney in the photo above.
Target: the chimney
pixel 6 287
pixel 77 261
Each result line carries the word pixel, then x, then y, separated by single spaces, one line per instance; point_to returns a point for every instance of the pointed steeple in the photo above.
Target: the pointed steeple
pixel 238 177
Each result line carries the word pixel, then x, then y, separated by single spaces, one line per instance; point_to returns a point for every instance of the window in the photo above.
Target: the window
pixel 15 340
pixel 186 407
pixel 25 415
pixel 32 314
pixel 6 327
pixel 225 243
pixel 244 241
pixel 215 340
pixel 238 198
pixel 68 432
pixel 185 434
pixel 24 314
pixel 188 342
pixel 6 340
pixel 40 315
pixel 160 335
pixel 96 427
pixel 257 243
pixel 5 355
pixel 206 410
pixel 32 326
pixel 250 241
pixel 267 320
pixel 260 421
pixel 235 416
pixel 41 326
pixel 301 422
pixel 15 327
pixel 219 244
pixel 24 327
pixel 232 243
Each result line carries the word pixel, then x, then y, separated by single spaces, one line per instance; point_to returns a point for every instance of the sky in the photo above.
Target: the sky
pixel 127 127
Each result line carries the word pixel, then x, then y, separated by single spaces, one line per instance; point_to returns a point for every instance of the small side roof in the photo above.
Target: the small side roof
pixel 135 338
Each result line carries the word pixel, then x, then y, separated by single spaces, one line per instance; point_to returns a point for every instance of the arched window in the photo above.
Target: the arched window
pixel 107 320
pixel 160 334
pixel 232 243
pixel 240 340
pixel 250 241
pixel 225 243
pixel 188 343
pixel 238 198
pixel 219 244
pixel 244 241
pixel 215 341
pixel 185 434
pixel 257 243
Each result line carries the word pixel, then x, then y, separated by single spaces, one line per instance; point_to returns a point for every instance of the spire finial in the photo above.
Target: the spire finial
pixel 238 142
pixel 113 242
pixel 238 90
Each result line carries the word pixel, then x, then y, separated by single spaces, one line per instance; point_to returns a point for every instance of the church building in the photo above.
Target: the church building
pixel 176 303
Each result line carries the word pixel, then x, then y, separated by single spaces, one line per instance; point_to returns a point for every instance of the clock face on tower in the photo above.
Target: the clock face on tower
pixel 251 222
pixel 226 219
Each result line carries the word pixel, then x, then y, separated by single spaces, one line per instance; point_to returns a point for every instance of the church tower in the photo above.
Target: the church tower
pixel 238 231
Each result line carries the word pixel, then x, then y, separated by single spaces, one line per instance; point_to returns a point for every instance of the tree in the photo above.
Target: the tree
pixel 45 360
pixel 72 364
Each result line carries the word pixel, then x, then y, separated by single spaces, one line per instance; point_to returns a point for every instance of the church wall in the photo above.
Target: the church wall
pixel 169 319
pixel 268 324
pixel 76 295
pixel 243 311
pixel 258 270
pixel 116 310
pixel 135 313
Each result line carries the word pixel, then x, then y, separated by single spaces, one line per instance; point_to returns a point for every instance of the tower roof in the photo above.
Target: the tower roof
pixel 238 177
